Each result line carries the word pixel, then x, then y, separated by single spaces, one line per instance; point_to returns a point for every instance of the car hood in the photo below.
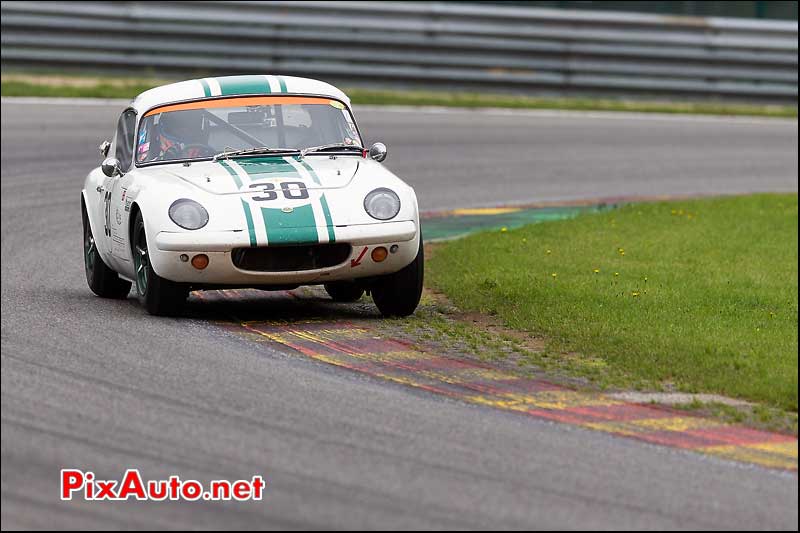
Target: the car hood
pixel 236 176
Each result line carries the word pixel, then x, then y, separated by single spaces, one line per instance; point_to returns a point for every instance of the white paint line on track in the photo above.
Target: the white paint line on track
pixel 441 110
pixel 564 113
pixel 36 100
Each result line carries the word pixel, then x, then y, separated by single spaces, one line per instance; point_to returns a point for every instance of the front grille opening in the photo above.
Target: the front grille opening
pixel 291 258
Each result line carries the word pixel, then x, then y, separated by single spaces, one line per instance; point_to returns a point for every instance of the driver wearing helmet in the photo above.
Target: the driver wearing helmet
pixel 182 134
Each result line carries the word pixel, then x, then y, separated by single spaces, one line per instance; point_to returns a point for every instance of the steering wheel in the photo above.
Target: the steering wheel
pixel 197 150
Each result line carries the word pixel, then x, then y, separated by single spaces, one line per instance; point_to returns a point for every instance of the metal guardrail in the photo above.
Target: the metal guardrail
pixel 478 47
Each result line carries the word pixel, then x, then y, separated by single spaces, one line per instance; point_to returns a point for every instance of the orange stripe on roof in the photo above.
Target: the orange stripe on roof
pixel 241 101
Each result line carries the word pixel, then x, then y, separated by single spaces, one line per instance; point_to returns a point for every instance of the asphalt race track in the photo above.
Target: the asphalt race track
pixel 99 385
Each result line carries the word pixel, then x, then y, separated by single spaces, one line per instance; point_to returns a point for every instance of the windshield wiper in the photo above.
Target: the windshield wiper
pixel 252 151
pixel 267 150
pixel 323 147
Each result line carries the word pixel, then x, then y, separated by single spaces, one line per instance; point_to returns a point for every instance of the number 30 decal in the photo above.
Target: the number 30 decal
pixel 292 190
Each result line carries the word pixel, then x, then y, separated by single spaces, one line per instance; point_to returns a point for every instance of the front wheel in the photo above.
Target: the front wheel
pixel 398 294
pixel 159 296
pixel 103 281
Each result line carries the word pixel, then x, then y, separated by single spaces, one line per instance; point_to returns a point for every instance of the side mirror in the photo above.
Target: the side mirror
pixel 378 152
pixel 110 167
pixel 104 146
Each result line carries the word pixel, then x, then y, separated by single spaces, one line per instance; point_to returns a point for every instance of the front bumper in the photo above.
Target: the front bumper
pixel 218 245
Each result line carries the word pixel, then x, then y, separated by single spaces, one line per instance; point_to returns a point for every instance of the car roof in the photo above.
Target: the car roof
pixel 234 85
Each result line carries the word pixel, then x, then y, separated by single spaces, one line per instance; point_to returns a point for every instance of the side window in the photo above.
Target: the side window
pixel 144 139
pixel 124 139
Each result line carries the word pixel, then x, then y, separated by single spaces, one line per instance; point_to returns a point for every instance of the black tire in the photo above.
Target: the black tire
pixel 159 296
pixel 103 281
pixel 398 294
pixel 344 291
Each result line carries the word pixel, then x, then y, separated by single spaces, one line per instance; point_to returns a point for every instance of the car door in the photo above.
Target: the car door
pixel 115 189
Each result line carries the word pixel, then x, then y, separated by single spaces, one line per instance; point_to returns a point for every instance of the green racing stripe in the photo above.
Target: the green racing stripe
pixel 309 169
pixel 232 172
pixel 323 202
pixel 328 219
pixel 206 88
pixel 232 85
pixel 296 227
pixel 266 167
pixel 250 226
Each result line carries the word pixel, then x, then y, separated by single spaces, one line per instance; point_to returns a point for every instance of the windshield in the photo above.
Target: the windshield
pixel 197 130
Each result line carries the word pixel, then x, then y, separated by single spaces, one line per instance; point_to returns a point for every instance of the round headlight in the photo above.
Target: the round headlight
pixel 382 204
pixel 188 214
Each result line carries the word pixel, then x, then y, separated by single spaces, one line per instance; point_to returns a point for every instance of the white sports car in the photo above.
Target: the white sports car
pixel 248 181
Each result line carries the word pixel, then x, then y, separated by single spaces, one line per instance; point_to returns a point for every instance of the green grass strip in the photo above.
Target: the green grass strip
pixel 698 296
pixel 74 86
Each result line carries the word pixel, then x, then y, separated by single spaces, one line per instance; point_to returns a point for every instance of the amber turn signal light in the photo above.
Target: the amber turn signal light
pixel 200 261
pixel 379 254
